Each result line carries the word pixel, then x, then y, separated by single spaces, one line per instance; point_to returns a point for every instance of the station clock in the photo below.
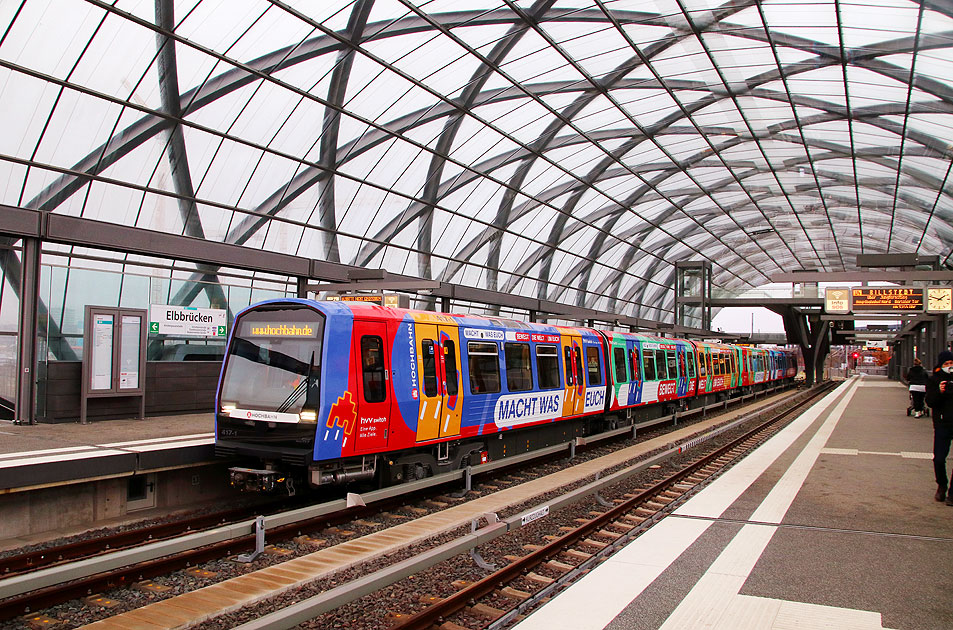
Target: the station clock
pixel 939 299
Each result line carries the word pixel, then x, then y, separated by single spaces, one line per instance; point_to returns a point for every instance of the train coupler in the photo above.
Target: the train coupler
pixel 255 480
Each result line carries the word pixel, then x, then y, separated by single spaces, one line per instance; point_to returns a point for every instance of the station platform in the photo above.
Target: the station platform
pixel 40 455
pixel 830 524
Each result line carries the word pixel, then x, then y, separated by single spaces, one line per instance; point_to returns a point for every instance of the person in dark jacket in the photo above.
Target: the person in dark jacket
pixel 917 378
pixel 940 399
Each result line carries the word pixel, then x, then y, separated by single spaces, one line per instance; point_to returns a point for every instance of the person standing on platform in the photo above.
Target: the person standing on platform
pixel 917 378
pixel 940 399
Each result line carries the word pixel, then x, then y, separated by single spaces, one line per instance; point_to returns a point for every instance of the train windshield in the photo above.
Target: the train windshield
pixel 274 360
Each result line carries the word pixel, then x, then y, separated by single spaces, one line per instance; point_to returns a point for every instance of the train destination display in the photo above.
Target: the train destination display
pixel 886 300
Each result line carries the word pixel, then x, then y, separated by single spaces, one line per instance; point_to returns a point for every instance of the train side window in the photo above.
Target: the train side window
pixel 670 359
pixel 593 365
pixel 634 364
pixel 708 362
pixel 430 368
pixel 691 364
pixel 519 373
pixel 547 362
pixel 450 365
pixel 701 365
pixel 577 355
pixel 661 366
pixel 568 364
pixel 372 366
pixel 618 354
pixel 648 365
pixel 484 363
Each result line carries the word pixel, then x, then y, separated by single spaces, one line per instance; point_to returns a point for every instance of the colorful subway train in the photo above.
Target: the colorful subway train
pixel 334 392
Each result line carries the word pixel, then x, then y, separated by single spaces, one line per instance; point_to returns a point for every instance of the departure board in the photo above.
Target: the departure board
pixel 886 300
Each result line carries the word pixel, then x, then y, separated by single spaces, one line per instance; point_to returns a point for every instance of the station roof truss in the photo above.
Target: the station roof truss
pixel 567 151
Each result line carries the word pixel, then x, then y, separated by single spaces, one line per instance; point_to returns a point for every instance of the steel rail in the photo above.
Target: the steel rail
pixel 442 609
pixel 52 585
pixel 298 613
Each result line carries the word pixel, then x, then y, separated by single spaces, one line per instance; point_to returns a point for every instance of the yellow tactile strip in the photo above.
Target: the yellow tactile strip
pixel 192 608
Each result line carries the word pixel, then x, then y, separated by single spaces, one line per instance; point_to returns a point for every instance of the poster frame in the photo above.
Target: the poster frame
pixel 115 353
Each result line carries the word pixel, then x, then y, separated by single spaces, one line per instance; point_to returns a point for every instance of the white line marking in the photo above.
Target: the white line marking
pixel 623 577
pixel 709 600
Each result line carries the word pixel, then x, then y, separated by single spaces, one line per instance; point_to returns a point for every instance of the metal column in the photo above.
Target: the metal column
pixel 27 332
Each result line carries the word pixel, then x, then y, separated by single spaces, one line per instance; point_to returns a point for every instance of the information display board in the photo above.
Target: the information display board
pixel 393 300
pixel 886 300
pixel 114 358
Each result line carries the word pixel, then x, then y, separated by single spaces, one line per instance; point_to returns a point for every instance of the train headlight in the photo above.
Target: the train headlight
pixel 228 408
pixel 308 416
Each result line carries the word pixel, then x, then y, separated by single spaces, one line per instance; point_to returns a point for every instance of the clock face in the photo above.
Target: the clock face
pixel 940 299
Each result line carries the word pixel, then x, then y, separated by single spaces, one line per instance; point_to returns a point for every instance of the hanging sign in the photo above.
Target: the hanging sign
pixel 886 300
pixel 187 321
pixel 837 300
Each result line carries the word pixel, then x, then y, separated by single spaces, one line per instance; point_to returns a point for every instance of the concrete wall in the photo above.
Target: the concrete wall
pixel 69 509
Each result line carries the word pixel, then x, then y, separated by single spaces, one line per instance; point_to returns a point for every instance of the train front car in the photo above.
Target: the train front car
pixel 269 392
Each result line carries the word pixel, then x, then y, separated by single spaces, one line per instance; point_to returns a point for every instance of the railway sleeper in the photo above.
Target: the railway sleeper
pixel 514 594
pixel 487 611
pixel 562 567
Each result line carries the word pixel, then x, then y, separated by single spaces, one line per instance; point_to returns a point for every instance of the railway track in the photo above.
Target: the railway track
pixel 39 598
pixel 478 605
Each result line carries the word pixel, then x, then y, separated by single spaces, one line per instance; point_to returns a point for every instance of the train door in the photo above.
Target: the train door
pixel 448 365
pixel 372 358
pixel 575 384
pixel 438 367
pixel 431 399
pixel 635 369
pixel 681 385
pixel 692 373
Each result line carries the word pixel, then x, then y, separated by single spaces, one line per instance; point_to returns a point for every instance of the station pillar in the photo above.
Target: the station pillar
pixel 27 330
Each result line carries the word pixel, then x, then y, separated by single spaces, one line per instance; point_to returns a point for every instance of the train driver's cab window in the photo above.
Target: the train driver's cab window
pixel 547 362
pixel 430 368
pixel 484 367
pixel 661 366
pixel 519 374
pixel 570 381
pixel 372 367
pixel 648 365
pixel 450 363
pixel 594 366
pixel 618 357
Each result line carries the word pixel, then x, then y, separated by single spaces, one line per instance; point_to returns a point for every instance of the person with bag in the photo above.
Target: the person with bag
pixel 917 378
pixel 940 399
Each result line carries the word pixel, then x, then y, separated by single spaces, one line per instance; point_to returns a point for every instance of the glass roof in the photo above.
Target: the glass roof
pixel 564 150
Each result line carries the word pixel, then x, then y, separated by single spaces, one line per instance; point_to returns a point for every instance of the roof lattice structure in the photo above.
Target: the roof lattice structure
pixel 565 150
